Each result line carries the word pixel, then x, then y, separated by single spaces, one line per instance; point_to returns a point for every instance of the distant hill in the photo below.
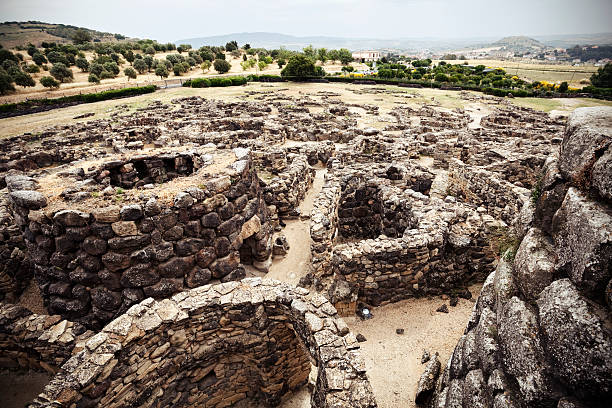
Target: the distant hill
pixel 14 33
pixel 519 42
pixel 276 40
pixel 569 40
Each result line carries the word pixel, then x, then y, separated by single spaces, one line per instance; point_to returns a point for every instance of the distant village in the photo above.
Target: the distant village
pixel 597 55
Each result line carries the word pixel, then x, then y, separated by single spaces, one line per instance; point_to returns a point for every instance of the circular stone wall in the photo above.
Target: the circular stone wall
pixel 244 343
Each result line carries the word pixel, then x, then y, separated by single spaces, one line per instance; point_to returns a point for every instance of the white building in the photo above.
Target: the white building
pixel 366 56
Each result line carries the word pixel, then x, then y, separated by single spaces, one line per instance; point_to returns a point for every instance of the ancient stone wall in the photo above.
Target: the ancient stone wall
pixel 15 267
pixel 239 343
pixel 429 246
pixel 37 342
pixel 287 189
pixel 94 259
pixel 539 334
pixel 502 199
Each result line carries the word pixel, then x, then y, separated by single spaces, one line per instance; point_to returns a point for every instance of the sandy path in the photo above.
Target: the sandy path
pixel 394 361
pixel 296 263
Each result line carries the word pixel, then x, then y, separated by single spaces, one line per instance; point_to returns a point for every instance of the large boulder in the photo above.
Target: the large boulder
pixel 577 339
pixel 523 354
pixel 588 136
pixel 534 264
pixel 583 239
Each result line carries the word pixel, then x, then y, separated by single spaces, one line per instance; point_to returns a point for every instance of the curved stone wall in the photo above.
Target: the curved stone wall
pixel 95 258
pixel 216 346
pixel 37 342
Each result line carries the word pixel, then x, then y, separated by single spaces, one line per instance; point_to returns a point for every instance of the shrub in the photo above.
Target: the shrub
pixel 205 65
pixel 130 73
pixel 93 78
pixel 603 77
pixel 200 83
pixel 161 71
pixel 300 67
pixel 563 87
pixel 106 75
pixel 32 68
pixel 61 72
pixel 221 66
pixel 220 82
pixel 82 64
pixel 49 82
pixel 39 59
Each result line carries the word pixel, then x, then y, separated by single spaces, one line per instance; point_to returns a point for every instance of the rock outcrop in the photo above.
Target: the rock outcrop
pixel 539 335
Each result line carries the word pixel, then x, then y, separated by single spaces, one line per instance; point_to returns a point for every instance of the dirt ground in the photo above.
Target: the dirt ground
pixel 296 263
pixel 393 361
pixel 17 389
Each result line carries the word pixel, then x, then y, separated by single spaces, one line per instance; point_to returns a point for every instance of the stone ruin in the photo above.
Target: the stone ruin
pixel 140 231
pixel 97 255
pixel 539 334
pixel 231 344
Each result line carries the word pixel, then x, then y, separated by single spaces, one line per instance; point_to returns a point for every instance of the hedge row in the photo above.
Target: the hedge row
pixel 215 81
pixel 36 104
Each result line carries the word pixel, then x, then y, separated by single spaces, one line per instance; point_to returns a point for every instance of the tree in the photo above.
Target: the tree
pixel 82 64
pixel 38 58
pixel 348 68
pixel 222 66
pixel 183 47
pixel 207 55
pixel 231 46
pixel 96 68
pixel 345 56
pixel 563 87
pixel 161 71
pixel 93 78
pixel 6 82
pixel 130 73
pixel 247 46
pixel 81 37
pixel 23 79
pixel 281 62
pixel 603 77
pixel 49 82
pixel 140 65
pixel 322 55
pixel 149 50
pixel 205 66
pixel 262 65
pixel 61 72
pixel 440 77
pixel 300 66
pixel 112 67
pixel 310 52
pixel 129 56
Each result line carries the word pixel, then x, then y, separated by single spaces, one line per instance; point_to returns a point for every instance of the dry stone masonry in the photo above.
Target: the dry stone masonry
pixel 217 346
pixel 97 250
pixel 140 231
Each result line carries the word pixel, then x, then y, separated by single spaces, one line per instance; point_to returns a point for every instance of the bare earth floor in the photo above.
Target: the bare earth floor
pixel 17 389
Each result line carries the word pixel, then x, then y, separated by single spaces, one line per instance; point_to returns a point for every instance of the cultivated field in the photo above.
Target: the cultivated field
pixel 538 71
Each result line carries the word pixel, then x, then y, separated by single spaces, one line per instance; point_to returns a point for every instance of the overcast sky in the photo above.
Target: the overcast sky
pixel 173 20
